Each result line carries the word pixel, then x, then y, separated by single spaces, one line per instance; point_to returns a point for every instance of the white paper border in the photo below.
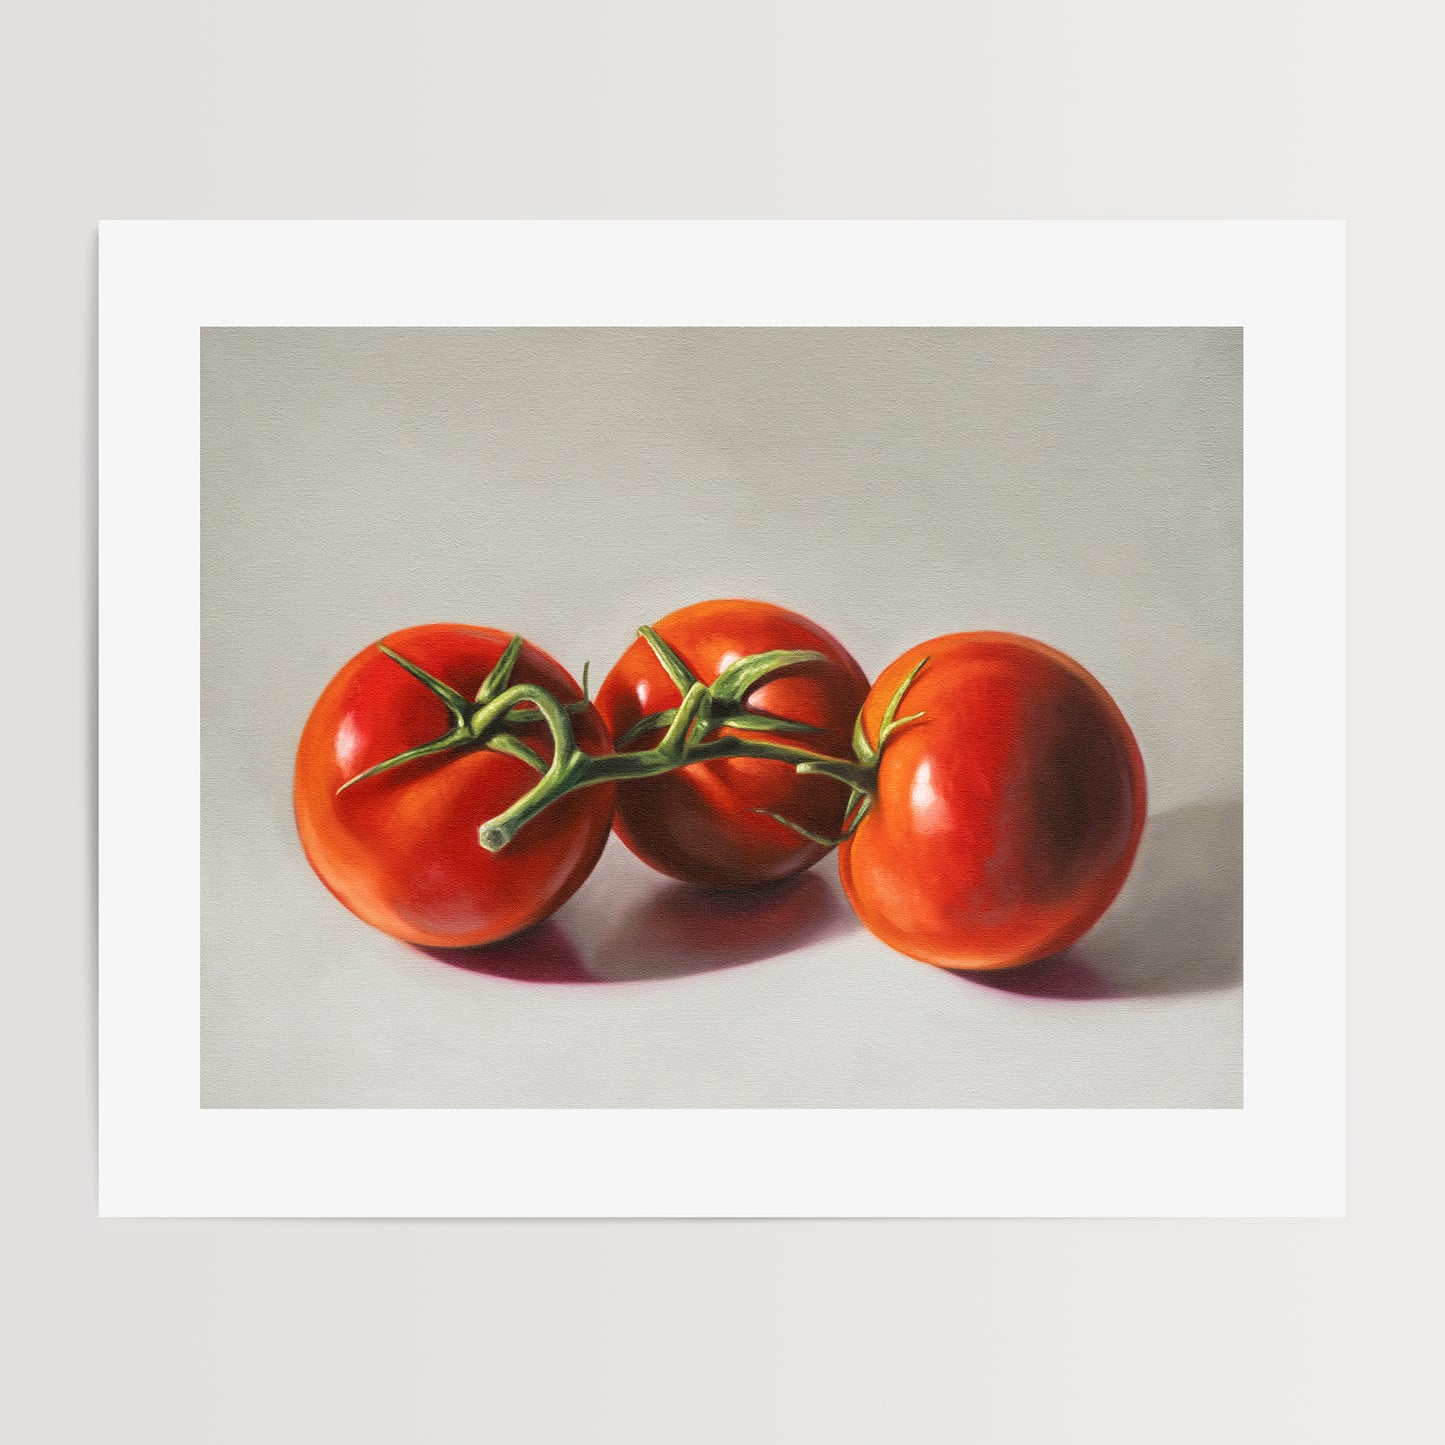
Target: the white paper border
pixel 1281 1154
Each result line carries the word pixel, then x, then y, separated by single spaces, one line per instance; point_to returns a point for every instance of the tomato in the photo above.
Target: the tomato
pixel 703 823
pixel 400 848
pixel 1006 817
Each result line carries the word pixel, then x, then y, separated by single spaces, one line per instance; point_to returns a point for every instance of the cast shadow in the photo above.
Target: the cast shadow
pixel 1177 928
pixel 677 930
pixel 674 931
pixel 540 954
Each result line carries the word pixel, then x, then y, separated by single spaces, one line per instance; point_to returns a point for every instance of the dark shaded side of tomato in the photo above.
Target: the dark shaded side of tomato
pixel 1006 817
pixel 702 823
pixel 400 848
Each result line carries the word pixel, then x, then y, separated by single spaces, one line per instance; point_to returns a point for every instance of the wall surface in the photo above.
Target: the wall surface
pixel 990 1331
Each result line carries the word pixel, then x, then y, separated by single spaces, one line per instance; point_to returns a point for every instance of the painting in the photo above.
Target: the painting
pixel 888 628
pixel 740 719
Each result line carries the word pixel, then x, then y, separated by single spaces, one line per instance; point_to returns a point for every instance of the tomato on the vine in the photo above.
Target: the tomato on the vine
pixel 1006 816
pixel 399 845
pixel 707 822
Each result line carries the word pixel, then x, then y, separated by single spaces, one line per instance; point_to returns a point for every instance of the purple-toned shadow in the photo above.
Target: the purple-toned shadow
pixel 540 954
pixel 679 930
pixel 1065 975
pixel 674 932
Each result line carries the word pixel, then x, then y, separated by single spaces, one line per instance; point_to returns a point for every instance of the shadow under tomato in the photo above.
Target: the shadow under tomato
pixel 540 954
pixel 679 930
pixel 1062 976
pixel 1177 927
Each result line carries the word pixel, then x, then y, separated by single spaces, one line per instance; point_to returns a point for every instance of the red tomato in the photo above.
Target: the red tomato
pixel 701 824
pixel 1006 817
pixel 400 848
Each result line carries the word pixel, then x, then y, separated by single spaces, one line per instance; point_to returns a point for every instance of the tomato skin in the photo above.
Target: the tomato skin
pixel 400 849
pixel 700 824
pixel 1007 817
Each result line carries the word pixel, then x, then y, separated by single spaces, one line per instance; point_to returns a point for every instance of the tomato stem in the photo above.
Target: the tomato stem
pixel 685 742
pixel 680 747
pixel 688 735
pixel 481 723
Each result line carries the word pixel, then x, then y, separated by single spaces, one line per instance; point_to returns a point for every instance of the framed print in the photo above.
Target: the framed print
pixel 948 819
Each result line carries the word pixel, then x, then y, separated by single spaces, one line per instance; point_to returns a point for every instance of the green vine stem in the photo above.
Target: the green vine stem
pixel 686 742
pixel 501 706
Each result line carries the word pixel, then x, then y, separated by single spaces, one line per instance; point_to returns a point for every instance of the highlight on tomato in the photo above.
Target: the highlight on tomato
pixel 772 676
pixel 411 747
pixel 1007 807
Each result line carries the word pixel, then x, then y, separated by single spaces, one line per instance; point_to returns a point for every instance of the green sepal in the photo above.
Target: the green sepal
pixel 516 748
pixel 863 750
pixel 456 704
pixel 679 731
pixel 500 677
pixel 889 724
pixel 743 720
pixel 734 683
pixel 454 739
pixel 651 723
pixel 466 715
pixel 849 826
pixel 680 673
pixel 728 693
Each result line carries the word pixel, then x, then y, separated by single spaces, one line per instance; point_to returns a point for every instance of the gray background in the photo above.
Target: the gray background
pixel 1003 1332
pixel 1078 486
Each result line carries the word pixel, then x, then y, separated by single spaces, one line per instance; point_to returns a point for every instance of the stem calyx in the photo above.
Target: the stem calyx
pixel 688 736
pixel 487 720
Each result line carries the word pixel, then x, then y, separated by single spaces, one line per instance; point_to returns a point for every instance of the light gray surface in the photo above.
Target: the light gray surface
pixel 1079 486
